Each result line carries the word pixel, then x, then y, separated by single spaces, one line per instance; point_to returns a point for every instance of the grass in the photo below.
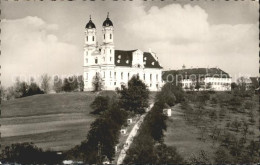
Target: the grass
pixel 52 121
pixel 185 135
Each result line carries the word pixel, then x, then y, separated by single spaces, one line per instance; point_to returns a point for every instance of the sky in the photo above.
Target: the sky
pixel 40 37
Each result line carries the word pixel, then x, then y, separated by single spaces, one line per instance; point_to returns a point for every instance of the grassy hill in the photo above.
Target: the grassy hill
pixel 194 135
pixel 51 121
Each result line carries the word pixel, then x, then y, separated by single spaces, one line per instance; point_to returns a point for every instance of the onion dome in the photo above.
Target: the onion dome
pixel 107 22
pixel 90 24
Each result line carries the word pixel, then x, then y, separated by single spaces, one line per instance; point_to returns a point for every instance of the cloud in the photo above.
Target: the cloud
pixel 182 35
pixel 30 48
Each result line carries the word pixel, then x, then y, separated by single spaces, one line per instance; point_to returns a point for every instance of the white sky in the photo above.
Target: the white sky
pixel 48 37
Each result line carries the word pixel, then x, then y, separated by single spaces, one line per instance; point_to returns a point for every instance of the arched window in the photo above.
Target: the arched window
pixel 93 38
pixel 96 60
pixel 104 36
pixel 110 36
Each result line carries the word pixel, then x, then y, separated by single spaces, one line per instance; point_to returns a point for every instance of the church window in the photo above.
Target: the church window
pixel 86 76
pixel 110 59
pixel 157 77
pixel 110 74
pixel 96 60
pixel 114 83
pixel 110 51
pixel 104 36
pixel 110 36
pixel 93 38
pixel 122 75
pixel 150 77
pixel 128 75
pixel 87 38
pixel 144 76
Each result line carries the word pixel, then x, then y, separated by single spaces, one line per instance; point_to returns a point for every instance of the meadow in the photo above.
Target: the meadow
pixel 51 121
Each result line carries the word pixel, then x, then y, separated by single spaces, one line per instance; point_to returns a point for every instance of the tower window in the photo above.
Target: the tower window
pixel 151 77
pixel 104 36
pixel 110 59
pixel 93 38
pixel 96 60
pixel 110 36
pixel 122 75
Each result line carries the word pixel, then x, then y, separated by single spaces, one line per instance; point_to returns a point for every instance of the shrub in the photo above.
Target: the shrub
pixel 100 104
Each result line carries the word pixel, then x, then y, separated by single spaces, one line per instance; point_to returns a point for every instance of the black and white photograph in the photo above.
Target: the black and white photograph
pixel 129 82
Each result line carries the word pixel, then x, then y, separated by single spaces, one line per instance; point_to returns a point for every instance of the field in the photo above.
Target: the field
pixel 191 131
pixel 51 121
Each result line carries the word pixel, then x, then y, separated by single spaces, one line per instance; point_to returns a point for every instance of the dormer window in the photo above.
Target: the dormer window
pixel 118 61
pixel 127 61
pixel 152 63
pixel 119 56
pixel 145 58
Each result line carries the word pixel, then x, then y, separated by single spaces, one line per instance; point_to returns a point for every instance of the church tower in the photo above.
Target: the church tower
pixel 90 41
pixel 107 48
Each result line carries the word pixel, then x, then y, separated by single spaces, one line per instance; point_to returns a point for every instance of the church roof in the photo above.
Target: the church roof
pixel 125 57
pixel 208 72
pixel 107 22
pixel 122 56
pixel 90 25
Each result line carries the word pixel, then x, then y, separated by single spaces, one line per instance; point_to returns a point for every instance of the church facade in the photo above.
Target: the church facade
pixel 116 67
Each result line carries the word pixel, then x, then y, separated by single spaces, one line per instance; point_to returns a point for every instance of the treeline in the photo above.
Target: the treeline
pixel 24 89
pixel 112 115
pixel 28 153
pixel 148 146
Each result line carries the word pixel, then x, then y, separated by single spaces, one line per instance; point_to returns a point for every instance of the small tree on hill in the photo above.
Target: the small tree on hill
pixel 135 96
pixel 97 83
pixel 100 104
pixel 80 83
pixel 45 83
pixel 57 86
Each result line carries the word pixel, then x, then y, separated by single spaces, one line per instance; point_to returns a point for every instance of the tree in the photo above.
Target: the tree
pixel 167 155
pixel 97 83
pixel 197 85
pixel 222 156
pixel 100 104
pixel 57 86
pixel 134 97
pixel 45 83
pixel 233 85
pixel 33 89
pixel 208 86
pixel 81 83
pixel 66 85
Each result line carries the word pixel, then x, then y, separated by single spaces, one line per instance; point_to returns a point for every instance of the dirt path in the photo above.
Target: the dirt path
pixel 130 137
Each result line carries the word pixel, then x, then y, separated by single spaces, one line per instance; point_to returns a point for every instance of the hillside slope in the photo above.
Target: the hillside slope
pixel 51 121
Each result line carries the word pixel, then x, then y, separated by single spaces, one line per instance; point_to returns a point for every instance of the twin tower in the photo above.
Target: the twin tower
pixel 106 48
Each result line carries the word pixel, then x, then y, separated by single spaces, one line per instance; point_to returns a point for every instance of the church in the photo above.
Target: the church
pixel 116 67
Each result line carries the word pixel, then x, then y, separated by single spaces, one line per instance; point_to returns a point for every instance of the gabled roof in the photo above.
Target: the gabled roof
pixel 125 57
pixel 207 72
